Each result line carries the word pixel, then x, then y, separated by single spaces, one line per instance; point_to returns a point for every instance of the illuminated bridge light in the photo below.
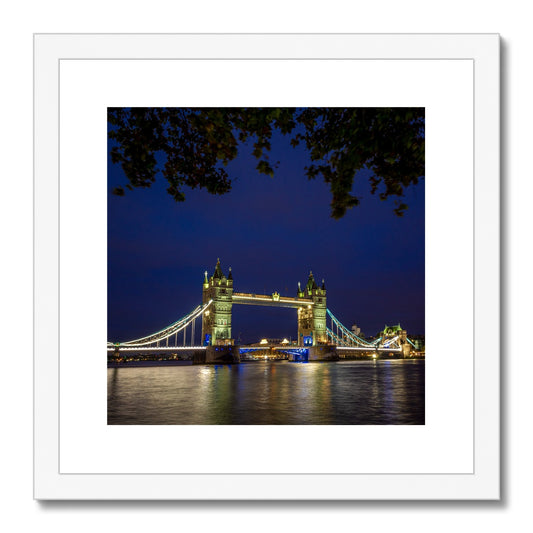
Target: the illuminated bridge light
pixel 159 348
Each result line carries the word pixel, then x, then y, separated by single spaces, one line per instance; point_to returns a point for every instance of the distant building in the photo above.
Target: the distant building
pixel 356 330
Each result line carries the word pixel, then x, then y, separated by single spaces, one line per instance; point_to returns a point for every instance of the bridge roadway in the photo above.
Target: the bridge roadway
pixel 155 348
pixel 247 348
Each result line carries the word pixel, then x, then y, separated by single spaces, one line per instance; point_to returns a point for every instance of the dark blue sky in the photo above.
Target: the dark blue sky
pixel 272 232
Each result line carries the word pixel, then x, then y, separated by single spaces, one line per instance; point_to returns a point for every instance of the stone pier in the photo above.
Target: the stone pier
pixel 218 355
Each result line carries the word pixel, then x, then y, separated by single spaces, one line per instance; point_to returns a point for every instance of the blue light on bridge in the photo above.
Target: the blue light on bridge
pixel 207 339
pixel 308 340
pixel 300 356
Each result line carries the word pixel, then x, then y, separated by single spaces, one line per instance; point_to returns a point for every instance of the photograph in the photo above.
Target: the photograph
pixel 257 229
pixel 266 266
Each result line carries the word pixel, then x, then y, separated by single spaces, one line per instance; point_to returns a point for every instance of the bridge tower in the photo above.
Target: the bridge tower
pixel 312 319
pixel 216 321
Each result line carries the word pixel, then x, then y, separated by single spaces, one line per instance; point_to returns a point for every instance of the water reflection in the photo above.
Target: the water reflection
pixel 345 392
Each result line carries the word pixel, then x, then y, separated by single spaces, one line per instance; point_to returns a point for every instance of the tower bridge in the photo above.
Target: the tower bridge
pixel 316 341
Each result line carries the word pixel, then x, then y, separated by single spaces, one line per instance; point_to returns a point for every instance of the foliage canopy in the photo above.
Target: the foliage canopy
pixel 198 143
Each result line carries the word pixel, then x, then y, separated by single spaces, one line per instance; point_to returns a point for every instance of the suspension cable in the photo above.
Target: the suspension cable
pixel 174 328
pixel 347 333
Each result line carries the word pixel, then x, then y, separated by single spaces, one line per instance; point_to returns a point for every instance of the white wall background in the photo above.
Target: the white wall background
pixel 17 24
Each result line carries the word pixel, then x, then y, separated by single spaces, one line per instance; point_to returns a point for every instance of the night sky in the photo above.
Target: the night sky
pixel 272 232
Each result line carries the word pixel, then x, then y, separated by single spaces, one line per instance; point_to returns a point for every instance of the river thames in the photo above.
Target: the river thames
pixel 343 392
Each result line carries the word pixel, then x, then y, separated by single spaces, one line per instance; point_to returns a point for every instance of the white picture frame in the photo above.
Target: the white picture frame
pixel 75 70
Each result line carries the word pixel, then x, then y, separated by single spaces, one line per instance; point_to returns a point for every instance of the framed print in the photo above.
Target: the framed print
pixel 268 233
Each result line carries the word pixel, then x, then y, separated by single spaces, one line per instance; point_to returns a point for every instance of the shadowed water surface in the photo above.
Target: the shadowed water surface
pixel 344 392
